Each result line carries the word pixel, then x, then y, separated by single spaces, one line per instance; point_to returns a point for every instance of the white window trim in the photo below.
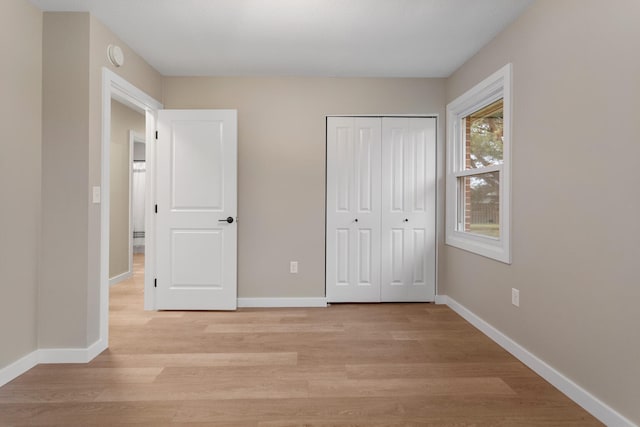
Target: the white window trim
pixel 494 87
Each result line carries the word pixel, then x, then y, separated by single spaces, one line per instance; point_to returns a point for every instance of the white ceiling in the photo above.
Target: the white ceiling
pixel 356 38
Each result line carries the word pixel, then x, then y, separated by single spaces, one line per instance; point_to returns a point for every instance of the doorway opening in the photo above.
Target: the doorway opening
pixel 117 93
pixel 126 217
pixel 126 190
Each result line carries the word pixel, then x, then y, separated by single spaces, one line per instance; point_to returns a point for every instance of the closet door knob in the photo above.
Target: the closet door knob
pixel 406 220
pixel 228 219
pixel 356 220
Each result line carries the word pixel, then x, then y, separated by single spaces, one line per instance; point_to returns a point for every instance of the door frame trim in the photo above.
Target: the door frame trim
pixel 116 87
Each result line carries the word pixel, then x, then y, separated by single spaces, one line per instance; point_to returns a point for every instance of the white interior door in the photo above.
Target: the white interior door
pixel 353 209
pixel 196 227
pixel 408 209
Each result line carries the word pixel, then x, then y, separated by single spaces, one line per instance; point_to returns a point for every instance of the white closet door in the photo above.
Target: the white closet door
pixel 353 209
pixel 408 209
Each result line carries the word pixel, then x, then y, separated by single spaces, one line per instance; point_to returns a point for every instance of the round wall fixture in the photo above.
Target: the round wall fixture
pixel 115 55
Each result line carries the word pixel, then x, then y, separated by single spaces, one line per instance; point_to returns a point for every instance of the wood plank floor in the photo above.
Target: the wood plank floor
pixel 346 365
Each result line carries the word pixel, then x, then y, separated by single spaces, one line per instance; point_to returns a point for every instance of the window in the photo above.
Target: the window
pixel 478 168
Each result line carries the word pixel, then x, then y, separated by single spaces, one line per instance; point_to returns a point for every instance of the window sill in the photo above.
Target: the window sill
pixel 485 246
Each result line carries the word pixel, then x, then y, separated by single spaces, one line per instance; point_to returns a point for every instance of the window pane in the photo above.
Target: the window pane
pixel 483 136
pixel 480 204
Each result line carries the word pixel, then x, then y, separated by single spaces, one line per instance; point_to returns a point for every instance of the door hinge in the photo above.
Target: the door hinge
pixel 156 208
pixel 156 134
pixel 155 283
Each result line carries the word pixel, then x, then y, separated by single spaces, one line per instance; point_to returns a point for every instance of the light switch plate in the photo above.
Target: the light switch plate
pixel 96 195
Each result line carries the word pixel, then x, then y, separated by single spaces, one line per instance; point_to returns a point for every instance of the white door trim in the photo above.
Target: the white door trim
pixel 115 87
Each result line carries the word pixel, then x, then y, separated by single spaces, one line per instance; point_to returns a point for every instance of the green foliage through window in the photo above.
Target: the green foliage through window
pixel 484 148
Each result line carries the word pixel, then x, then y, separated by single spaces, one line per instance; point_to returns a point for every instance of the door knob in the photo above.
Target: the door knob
pixel 356 220
pixel 406 220
pixel 228 219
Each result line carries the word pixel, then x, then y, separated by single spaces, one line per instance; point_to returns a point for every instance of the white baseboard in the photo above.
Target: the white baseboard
pixel 19 367
pixel 50 355
pixel 120 277
pixel 71 355
pixel 282 302
pixel 95 349
pixel 582 397
pixel 441 299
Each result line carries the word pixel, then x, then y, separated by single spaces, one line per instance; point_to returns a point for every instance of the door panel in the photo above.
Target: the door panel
pixel 397 257
pixel 196 191
pixel 419 172
pixel 397 163
pixel 195 160
pixel 196 259
pixel 418 260
pixel 342 257
pixel 408 209
pixel 364 257
pixel 344 167
pixel 365 153
pixel 353 209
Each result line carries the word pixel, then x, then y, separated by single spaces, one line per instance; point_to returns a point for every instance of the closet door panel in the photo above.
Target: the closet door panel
pixel 396 159
pixel 423 204
pixel 419 262
pixel 397 258
pixel 353 209
pixel 408 209
pixel 365 156
pixel 343 186
pixel 342 257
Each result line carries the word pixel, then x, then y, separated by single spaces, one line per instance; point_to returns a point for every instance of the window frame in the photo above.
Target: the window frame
pixel 491 89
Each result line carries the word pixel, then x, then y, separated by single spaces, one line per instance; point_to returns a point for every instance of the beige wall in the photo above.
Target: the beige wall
pixel 281 163
pixel 20 171
pixel 75 47
pixel 65 194
pixel 123 120
pixel 576 89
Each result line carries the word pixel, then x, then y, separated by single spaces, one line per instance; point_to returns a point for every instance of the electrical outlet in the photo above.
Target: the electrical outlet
pixel 293 267
pixel 515 297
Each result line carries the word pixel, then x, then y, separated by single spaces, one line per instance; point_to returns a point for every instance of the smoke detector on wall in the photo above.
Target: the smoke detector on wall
pixel 115 55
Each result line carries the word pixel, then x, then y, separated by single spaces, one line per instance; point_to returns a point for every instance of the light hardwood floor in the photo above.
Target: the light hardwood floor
pixel 345 365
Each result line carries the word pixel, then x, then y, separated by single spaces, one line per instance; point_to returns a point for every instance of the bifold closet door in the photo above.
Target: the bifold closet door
pixel 408 209
pixel 353 209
